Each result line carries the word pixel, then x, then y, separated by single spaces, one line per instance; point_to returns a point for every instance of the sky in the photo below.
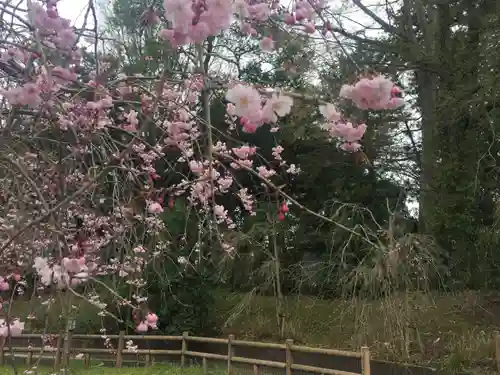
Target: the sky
pixel 73 10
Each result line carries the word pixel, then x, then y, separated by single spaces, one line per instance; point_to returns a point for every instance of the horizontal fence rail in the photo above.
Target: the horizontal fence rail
pixel 63 352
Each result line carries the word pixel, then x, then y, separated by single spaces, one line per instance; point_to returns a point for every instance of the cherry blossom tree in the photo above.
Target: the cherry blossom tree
pixel 82 189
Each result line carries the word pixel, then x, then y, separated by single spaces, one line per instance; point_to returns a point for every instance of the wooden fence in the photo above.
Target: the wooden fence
pixel 63 351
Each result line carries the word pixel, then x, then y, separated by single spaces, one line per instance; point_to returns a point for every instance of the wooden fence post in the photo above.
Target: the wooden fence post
pixel 289 357
pixel 86 360
pixel 205 366
pixel 497 350
pixel 184 348
pixel 29 358
pixel 365 360
pixel 256 370
pixel 67 348
pixel 2 349
pixel 230 354
pixel 57 358
pixel 119 349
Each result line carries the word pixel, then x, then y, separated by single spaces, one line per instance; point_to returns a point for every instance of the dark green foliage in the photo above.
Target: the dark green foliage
pixel 183 301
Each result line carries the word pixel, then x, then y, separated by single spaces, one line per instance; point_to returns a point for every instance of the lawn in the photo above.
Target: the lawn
pixel 99 370
pixel 453 332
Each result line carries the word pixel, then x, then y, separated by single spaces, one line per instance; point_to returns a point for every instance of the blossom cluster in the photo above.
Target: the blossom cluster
pixel 247 104
pixel 376 93
pixel 70 272
pixel 15 328
pixel 193 22
pixel 150 322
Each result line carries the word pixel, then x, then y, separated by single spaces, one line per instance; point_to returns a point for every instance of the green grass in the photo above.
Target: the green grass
pixel 100 370
pixel 453 332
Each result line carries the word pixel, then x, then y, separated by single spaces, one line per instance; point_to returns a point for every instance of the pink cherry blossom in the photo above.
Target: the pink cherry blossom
pixel 71 265
pixel 348 132
pixel 199 32
pixel 277 106
pixel 289 19
pixel 371 93
pixel 329 112
pixel 267 44
pixel 244 152
pixel 265 172
pixel 246 199
pixel 179 13
pixel 230 109
pixel 16 328
pixel 276 151
pixel 155 208
pixel 152 318
pixel 249 127
pixel 260 11
pixel 247 102
pixel 240 7
pixel 132 122
pixel 142 327
pixel 310 28
pixel 351 147
pixel 246 28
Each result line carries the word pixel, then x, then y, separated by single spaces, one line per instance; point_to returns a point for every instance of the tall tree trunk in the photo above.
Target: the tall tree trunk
pixel 427 89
